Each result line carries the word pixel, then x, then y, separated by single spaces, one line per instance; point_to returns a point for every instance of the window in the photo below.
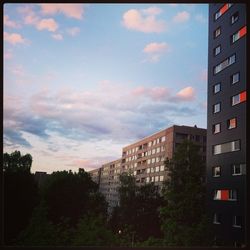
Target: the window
pixel 153 160
pixel 235 78
pixel 217 32
pixel 233 195
pixel 216 128
pixel 216 108
pixel 163 138
pixel 156 178
pixel 147 179
pixel 238 169
pixel 235 17
pixel 222 10
pixel 223 65
pixel 226 147
pixel 217 88
pixel 225 195
pixel 239 34
pixel 232 123
pixel 237 221
pixel 216 171
pixel 162 168
pixel 217 50
pixel 161 178
pixel 157 169
pixel 241 97
pixel 217 218
pixel 148 170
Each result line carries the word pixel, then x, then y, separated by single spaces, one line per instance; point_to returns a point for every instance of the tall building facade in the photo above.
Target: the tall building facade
pixel 226 123
pixel 145 158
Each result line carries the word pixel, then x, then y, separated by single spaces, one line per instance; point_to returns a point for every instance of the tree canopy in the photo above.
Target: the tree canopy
pixel 184 221
pixel 20 194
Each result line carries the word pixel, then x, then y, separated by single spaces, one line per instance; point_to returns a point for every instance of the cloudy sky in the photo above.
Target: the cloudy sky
pixel 81 81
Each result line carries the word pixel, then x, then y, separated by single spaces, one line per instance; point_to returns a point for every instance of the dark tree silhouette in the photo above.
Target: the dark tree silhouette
pixel 184 221
pixel 20 194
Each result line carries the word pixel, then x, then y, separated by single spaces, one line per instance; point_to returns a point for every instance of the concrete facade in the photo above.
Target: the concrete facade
pixel 145 159
pixel 226 123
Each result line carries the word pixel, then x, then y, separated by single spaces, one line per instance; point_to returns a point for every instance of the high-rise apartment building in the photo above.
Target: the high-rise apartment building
pixel 145 160
pixel 226 123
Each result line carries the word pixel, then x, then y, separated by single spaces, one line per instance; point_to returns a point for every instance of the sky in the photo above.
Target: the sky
pixel 82 81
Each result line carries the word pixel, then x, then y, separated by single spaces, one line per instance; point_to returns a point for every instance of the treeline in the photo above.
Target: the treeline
pixel 68 210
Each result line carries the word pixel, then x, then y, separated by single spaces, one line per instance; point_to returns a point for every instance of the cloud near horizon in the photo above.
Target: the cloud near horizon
pixel 127 113
pixel 144 20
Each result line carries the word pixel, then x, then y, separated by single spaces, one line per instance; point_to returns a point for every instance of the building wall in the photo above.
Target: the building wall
pixel 224 230
pixel 109 182
pixel 145 159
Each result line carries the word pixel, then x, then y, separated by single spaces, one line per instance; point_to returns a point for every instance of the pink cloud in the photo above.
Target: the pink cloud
pixel 156 93
pixel 57 36
pixel 155 50
pixel 9 23
pixel 181 17
pixel 13 38
pixel 47 24
pixel 144 20
pixel 70 10
pixel 159 93
pixel 186 94
pixel 156 47
pixel 152 11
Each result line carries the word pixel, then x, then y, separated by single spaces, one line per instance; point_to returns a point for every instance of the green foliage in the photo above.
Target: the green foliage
pixel 71 195
pixel 40 232
pixel 137 215
pixel 183 220
pixel 15 162
pixel 92 231
pixel 20 194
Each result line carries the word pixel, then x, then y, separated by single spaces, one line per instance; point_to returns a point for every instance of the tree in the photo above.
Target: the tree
pixel 184 221
pixel 137 216
pixel 20 194
pixel 71 195
pixel 92 230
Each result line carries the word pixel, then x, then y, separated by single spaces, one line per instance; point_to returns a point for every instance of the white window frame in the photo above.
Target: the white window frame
pixel 214 171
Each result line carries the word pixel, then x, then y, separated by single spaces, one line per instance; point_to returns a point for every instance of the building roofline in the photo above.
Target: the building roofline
pixel 165 129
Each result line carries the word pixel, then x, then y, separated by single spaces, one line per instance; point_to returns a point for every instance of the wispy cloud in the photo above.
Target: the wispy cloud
pixel 10 23
pixel 70 10
pixel 73 31
pixel 156 50
pixel 181 17
pixel 144 20
pixel 57 36
pixel 8 55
